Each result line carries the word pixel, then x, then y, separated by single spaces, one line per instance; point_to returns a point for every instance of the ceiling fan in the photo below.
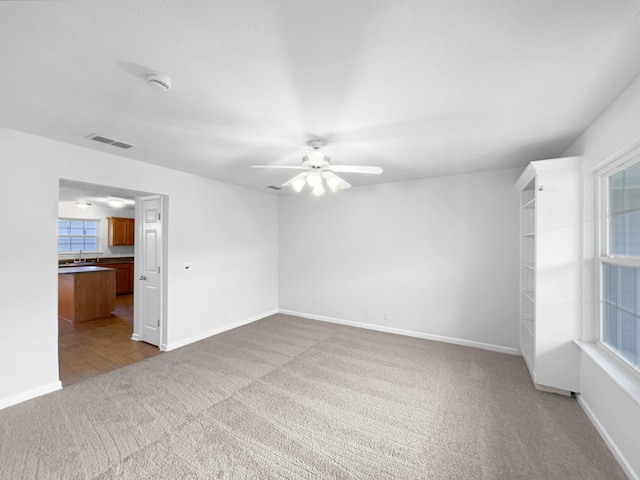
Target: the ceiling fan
pixel 318 171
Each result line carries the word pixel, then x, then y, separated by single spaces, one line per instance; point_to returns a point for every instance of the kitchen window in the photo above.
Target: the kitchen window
pixel 620 262
pixel 76 234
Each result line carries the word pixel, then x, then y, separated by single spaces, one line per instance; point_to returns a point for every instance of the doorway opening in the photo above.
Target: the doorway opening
pixel 103 305
pixel 94 347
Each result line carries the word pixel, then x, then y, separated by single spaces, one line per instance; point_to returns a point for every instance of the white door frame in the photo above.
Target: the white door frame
pixel 137 315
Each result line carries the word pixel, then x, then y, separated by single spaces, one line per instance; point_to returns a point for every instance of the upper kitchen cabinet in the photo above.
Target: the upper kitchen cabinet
pixel 121 231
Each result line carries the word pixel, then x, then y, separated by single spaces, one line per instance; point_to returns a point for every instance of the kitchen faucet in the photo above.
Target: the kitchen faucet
pixel 79 257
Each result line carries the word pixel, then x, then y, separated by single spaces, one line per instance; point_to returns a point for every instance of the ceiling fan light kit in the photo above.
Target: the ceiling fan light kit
pixel 318 190
pixel 298 183
pixel 320 171
pixel 314 179
pixel 333 181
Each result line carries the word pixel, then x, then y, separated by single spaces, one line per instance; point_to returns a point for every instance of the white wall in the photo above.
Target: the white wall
pixel 439 255
pixel 94 212
pixel 229 233
pixel 615 132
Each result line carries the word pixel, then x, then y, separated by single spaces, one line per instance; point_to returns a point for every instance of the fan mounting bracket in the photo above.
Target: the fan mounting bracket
pixel 316 144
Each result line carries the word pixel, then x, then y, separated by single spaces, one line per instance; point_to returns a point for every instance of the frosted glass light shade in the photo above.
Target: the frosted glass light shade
pixel 314 179
pixel 115 202
pixel 298 184
pixel 333 183
pixel 319 190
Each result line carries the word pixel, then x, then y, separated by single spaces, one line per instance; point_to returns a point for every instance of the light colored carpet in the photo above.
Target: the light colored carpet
pixel 287 397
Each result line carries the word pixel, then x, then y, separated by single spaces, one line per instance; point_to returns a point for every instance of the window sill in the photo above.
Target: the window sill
pixel 621 373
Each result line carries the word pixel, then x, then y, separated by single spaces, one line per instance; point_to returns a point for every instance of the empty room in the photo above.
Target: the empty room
pixel 320 239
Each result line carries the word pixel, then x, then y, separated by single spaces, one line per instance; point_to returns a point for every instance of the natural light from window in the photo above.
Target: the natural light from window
pixel 78 234
pixel 620 298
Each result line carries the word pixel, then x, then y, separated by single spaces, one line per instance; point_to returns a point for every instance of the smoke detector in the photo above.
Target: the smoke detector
pixel 159 81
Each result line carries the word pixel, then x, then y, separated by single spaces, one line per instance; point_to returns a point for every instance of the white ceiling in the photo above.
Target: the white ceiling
pixel 420 88
pixel 96 195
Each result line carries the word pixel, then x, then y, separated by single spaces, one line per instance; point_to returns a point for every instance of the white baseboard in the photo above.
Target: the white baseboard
pixel 181 343
pixel 29 394
pixel 135 337
pixel 628 469
pixel 407 333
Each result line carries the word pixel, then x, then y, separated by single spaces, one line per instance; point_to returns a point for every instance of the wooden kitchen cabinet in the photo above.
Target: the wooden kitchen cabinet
pixel 124 277
pixel 86 293
pixel 121 231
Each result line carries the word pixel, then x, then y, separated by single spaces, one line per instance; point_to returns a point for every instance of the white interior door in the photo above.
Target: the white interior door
pixel 149 266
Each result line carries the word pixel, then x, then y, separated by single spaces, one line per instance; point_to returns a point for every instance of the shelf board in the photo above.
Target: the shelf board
pixel 530 204
pixel 528 326
pixel 529 295
pixel 529 234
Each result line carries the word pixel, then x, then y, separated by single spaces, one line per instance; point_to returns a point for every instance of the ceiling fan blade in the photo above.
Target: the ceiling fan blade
pixel 295 167
pixel 356 169
pixel 290 181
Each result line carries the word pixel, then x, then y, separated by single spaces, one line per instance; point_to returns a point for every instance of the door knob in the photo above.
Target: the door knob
pixel 143 277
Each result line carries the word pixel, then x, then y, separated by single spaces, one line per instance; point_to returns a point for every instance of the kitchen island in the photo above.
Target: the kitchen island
pixel 86 293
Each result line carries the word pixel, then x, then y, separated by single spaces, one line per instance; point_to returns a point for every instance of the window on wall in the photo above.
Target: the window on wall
pixel 620 262
pixel 78 234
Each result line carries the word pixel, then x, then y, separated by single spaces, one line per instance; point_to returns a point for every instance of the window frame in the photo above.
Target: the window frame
pixel 603 238
pixel 97 236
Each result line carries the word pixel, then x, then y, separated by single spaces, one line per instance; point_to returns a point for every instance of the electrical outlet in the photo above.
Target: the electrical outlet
pixel 367 313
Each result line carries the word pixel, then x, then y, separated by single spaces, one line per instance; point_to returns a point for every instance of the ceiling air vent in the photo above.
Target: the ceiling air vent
pixel 109 141
pixel 273 187
pixel 121 145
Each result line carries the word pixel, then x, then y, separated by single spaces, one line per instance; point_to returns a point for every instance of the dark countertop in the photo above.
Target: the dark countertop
pixel 69 270
pixel 103 262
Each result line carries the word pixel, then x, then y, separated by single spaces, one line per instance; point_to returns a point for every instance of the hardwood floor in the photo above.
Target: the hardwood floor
pixel 94 347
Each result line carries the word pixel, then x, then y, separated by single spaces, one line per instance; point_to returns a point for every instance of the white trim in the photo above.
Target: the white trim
pixel 626 152
pixel 624 261
pixel 75 254
pixel 407 333
pixel 601 241
pixel 135 337
pixel 624 375
pixel 538 165
pixel 617 163
pixel 624 464
pixel 29 394
pixel 201 336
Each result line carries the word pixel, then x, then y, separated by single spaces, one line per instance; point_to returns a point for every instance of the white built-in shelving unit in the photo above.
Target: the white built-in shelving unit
pixel 550 272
